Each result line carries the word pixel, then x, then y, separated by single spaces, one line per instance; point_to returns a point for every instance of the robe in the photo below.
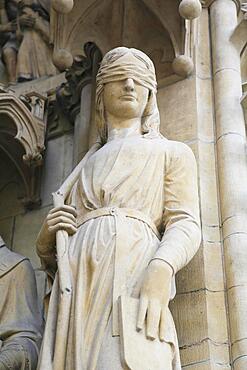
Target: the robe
pixel 128 191
pixel 20 317
pixel 34 58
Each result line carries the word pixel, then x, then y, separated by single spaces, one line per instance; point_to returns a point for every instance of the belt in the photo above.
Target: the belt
pixel 115 211
pixel 119 280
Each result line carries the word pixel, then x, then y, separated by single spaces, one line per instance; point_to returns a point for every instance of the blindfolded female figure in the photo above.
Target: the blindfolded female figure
pixel 135 225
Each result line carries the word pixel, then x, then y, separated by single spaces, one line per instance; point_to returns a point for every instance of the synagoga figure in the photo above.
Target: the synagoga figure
pixel 136 223
pixel 25 39
pixel 20 317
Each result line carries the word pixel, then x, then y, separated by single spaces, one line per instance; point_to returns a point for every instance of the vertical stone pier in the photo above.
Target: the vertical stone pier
pixel 232 172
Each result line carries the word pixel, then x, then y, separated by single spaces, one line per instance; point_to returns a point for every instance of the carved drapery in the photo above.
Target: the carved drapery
pixel 22 135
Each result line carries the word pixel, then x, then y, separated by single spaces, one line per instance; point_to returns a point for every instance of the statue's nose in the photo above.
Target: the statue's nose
pixel 129 84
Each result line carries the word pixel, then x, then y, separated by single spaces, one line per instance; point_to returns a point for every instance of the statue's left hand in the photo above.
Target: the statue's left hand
pixel 27 20
pixel 154 299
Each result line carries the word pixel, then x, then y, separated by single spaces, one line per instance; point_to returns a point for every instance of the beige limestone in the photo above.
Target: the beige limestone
pixel 20 317
pixel 235 256
pixel 179 124
pixel 63 6
pixel 214 276
pixel 62 59
pixel 202 54
pixel 190 323
pixel 231 146
pixel 187 114
pixel 203 351
pixel 58 164
pixel 82 125
pixel 26 51
pixel 25 232
pixel 190 9
pixel 126 138
pixel 6 229
pixel 183 66
pixel 185 281
pixel 240 363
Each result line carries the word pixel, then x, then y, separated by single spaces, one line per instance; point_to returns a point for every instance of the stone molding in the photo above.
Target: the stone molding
pixel 208 3
pixel 238 38
pixel 244 9
pixel 22 136
pixel 174 38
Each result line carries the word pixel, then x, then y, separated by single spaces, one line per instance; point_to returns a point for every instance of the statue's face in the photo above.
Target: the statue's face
pixel 125 99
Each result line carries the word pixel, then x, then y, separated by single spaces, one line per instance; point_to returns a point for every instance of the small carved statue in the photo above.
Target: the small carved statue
pixel 25 31
pixel 8 41
pixel 127 222
pixel 20 317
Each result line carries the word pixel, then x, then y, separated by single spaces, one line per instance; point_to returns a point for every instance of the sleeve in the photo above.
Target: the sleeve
pixel 47 255
pixel 19 355
pixel 21 319
pixel 43 27
pixel 182 235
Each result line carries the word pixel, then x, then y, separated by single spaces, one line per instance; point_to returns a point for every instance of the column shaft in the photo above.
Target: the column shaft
pixel 232 172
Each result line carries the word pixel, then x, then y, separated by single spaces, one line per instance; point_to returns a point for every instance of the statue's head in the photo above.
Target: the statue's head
pixel 126 86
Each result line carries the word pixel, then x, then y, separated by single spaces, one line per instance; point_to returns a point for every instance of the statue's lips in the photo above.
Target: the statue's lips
pixel 128 97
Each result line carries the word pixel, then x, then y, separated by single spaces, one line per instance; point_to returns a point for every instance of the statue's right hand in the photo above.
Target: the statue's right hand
pixel 62 218
pixel 59 218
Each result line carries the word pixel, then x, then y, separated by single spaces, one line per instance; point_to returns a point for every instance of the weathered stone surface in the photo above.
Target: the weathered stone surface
pixel 202 111
pixel 26 50
pixel 20 316
pixel 6 229
pixel 58 164
pixel 127 119
pixel 25 233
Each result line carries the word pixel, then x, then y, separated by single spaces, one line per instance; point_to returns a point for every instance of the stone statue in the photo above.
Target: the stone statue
pixel 20 318
pixel 129 222
pixel 8 41
pixel 25 28
pixel 35 53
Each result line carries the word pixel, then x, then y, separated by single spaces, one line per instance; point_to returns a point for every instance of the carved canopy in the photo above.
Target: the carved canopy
pixel 22 134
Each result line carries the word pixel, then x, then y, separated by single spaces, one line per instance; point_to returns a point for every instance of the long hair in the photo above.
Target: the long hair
pixel 150 119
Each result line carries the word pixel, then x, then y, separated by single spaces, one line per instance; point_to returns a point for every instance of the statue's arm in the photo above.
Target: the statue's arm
pixel 179 243
pixel 17 354
pixel 182 234
pixel 43 27
pixel 5 25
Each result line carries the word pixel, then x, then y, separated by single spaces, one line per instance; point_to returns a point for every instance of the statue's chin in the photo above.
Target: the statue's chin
pixel 127 108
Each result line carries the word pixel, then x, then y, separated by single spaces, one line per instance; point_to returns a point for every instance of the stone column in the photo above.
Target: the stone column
pixel 232 172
